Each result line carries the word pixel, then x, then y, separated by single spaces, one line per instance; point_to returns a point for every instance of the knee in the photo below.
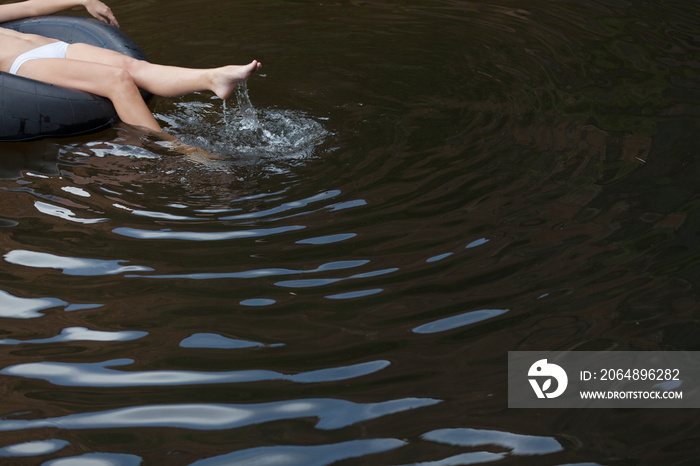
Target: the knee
pixel 133 65
pixel 121 81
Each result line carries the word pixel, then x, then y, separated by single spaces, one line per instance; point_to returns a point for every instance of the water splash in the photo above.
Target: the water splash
pixel 249 116
pixel 244 131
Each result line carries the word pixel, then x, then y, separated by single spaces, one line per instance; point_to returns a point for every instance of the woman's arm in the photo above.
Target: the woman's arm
pixel 29 8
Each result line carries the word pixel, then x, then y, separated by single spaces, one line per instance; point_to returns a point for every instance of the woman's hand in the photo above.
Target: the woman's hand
pixel 101 11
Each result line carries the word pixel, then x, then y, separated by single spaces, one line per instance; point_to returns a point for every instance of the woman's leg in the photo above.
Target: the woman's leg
pixel 164 80
pixel 118 78
pixel 111 82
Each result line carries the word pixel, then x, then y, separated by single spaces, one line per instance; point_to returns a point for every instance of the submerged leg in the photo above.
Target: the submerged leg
pixel 168 81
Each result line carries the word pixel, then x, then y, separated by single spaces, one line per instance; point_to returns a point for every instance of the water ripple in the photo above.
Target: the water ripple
pixel 25 308
pixel 34 448
pixel 153 214
pixel 65 213
pixel 257 302
pixel 355 294
pixel 256 273
pixel 97 459
pixel 71 265
pixel 313 282
pixel 317 455
pixel 331 414
pixel 29 308
pixel 99 375
pixel 478 457
pixel 527 149
pixel 285 207
pixel 461 320
pixel 203 236
pixel 80 334
pixel 213 340
pixel 517 444
pixel 328 239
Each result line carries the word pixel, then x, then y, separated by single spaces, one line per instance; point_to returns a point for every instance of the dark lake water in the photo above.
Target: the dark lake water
pixel 413 189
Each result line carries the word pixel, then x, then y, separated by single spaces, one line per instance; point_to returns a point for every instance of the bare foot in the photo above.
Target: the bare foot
pixel 224 80
pixel 195 153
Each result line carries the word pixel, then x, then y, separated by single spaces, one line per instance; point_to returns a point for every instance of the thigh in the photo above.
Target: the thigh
pixel 93 54
pixel 95 78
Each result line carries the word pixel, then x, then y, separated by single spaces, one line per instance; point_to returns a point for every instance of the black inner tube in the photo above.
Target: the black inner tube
pixel 32 109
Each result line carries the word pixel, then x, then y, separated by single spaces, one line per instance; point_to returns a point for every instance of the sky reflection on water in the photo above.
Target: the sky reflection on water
pixel 331 414
pixel 98 374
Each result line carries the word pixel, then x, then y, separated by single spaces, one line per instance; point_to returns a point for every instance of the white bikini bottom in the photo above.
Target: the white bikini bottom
pixel 53 50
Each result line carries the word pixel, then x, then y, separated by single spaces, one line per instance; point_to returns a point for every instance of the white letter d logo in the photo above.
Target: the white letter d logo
pixel 551 371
